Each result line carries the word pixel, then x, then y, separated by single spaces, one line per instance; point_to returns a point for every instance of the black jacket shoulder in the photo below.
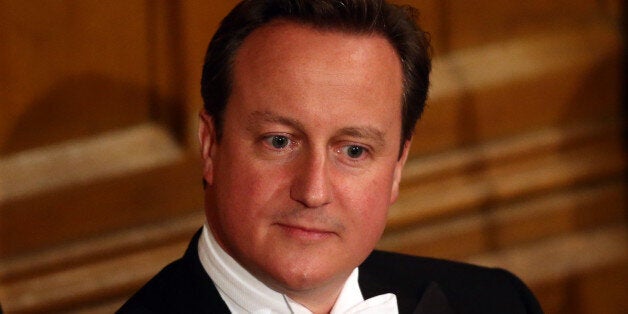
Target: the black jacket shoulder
pixel 467 288
pixel 181 287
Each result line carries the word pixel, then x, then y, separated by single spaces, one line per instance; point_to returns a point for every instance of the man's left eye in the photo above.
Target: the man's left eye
pixel 353 151
pixel 278 141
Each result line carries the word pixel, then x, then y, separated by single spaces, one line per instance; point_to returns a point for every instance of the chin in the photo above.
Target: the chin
pixel 299 277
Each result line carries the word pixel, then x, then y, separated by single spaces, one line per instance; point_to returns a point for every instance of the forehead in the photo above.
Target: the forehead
pixel 284 47
pixel 286 63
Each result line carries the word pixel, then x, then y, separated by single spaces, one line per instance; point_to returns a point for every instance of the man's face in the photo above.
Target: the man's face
pixel 302 179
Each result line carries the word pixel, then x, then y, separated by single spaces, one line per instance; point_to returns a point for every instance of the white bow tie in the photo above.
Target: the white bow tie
pixel 381 304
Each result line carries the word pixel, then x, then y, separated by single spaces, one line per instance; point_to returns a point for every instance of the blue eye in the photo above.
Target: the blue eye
pixel 353 151
pixel 279 141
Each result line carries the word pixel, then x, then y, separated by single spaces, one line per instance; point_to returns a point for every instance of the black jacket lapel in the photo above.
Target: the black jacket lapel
pixel 384 272
pixel 433 302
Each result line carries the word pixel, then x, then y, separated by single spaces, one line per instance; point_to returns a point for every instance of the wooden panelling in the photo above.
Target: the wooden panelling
pixel 565 272
pixel 600 290
pixel 92 131
pixel 519 161
pixel 71 213
pixel 603 290
pixel 456 25
pixel 479 22
pixel 136 239
pixel 54 279
pixel 71 69
pixel 501 227
pixel 108 278
pixel 75 162
pixel 521 85
pixel 456 182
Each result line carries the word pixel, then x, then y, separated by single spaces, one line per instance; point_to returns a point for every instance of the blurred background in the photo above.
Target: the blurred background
pixel 519 161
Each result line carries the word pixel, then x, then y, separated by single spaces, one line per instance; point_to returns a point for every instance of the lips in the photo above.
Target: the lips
pixel 305 233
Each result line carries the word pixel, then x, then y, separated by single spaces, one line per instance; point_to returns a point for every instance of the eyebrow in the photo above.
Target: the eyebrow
pixel 272 117
pixel 365 132
pixel 362 132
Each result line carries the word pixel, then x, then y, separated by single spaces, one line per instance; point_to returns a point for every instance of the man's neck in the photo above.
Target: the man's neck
pixel 338 295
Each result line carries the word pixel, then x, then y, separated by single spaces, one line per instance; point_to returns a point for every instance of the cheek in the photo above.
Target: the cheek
pixel 375 213
pixel 246 188
pixel 245 199
pixel 371 199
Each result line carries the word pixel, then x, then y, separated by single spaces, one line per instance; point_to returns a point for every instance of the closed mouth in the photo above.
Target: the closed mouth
pixel 306 232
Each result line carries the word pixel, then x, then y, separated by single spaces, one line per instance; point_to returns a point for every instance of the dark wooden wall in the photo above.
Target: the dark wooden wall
pixel 519 161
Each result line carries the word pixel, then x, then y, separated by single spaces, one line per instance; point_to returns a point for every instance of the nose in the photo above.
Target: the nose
pixel 311 184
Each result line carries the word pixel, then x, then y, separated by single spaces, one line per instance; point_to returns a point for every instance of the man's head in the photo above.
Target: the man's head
pixel 302 158
pixel 394 23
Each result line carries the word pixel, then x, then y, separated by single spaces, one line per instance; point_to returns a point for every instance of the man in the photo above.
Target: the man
pixel 308 118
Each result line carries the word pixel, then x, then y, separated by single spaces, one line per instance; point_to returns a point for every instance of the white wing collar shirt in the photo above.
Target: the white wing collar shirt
pixel 243 293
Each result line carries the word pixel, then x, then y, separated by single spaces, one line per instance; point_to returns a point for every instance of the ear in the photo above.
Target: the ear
pixel 398 169
pixel 207 140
